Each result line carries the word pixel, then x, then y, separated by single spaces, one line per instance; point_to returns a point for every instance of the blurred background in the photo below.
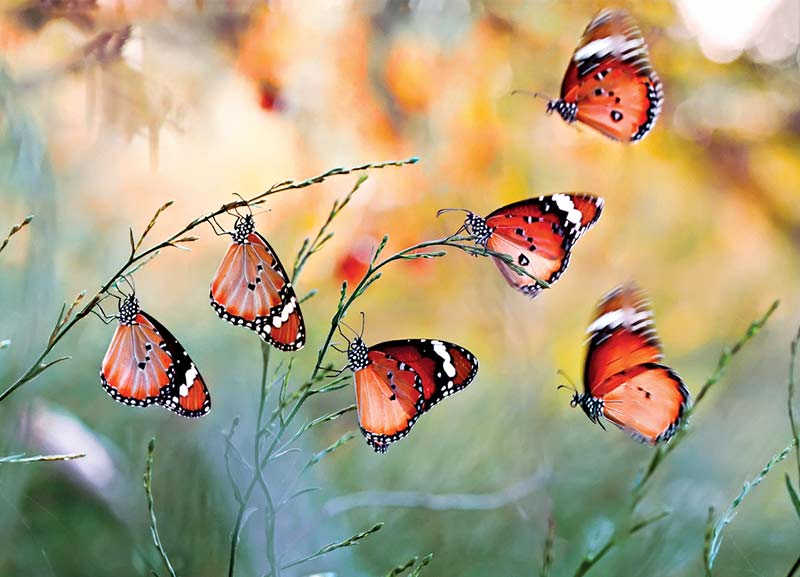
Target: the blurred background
pixel 112 107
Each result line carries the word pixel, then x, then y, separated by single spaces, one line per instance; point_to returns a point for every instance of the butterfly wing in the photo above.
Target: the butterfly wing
pixel 621 336
pixel 444 368
pixel 539 234
pixel 187 394
pixel 137 367
pixel 648 401
pixel 251 289
pixel 388 398
pixel 610 82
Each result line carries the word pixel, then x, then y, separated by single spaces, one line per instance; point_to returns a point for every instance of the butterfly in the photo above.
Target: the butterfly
pixel 538 233
pixel 146 364
pixel 398 381
pixel 610 84
pixel 625 382
pixel 251 289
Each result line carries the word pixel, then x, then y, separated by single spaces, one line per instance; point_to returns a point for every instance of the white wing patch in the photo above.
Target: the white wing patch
pixel 565 203
pixel 605 46
pixel 440 349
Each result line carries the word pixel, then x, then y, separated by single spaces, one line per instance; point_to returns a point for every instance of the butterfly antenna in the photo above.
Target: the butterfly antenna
pixel 262 211
pixel 569 380
pixel 125 279
pixel 441 211
pixel 531 94
pixel 247 204
pixel 349 327
pixel 363 320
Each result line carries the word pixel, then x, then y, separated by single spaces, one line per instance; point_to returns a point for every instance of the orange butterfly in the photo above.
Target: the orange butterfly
pixel 538 233
pixel 398 381
pixel 624 380
pixel 146 364
pixel 252 289
pixel 610 84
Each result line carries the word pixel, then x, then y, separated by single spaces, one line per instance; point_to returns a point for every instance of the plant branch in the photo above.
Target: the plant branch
pixel 349 542
pixel 14 230
pixel 174 240
pixel 440 502
pixel 148 478
pixel 21 458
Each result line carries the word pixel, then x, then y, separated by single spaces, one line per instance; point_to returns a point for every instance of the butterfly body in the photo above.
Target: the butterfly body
pixel 252 289
pixel 538 233
pixel 625 382
pixel 398 381
pixel 610 84
pixel 146 364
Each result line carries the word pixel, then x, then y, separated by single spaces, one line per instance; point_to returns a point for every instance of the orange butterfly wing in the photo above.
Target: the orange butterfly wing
pixel 137 367
pixel 389 400
pixel 648 401
pixel 539 234
pixel 610 84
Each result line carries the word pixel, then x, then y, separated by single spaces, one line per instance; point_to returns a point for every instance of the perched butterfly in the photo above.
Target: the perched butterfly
pixel 537 233
pixel 398 381
pixel 609 84
pixel 624 380
pixel 251 289
pixel 145 364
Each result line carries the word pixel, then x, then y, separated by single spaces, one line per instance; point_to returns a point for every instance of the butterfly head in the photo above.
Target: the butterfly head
pixel 477 227
pixel 567 110
pixel 357 355
pixel 245 225
pixel 128 309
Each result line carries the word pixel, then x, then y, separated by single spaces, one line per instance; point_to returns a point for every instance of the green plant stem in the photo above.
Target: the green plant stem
pixel 21 458
pixel 794 568
pixel 549 545
pixel 349 542
pixel 792 385
pixel 148 479
pixel 661 452
pixel 616 538
pixel 175 240
pixel 712 549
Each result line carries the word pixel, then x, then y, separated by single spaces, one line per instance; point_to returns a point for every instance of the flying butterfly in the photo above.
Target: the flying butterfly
pixel 624 380
pixel 146 364
pixel 610 84
pixel 251 289
pixel 398 381
pixel 538 233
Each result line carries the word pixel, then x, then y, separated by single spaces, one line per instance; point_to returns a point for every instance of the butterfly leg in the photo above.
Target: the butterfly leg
pixel 106 318
pixel 217 227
